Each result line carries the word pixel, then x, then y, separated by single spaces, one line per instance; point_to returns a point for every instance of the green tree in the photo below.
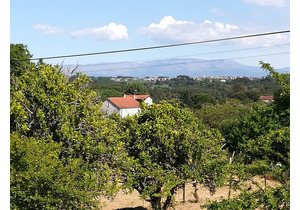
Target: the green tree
pixel 263 119
pixel 259 121
pixel 171 148
pixel 41 180
pixel 274 146
pixel 46 106
pixel 106 93
pixel 238 87
pixel 198 100
pixel 253 95
pixel 267 154
pixel 19 59
pixel 247 96
pixel 261 140
pixel 282 96
pixel 221 114
pixel 135 88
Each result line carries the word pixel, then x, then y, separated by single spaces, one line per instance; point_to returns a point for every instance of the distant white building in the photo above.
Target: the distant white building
pixel 128 105
pixel 267 99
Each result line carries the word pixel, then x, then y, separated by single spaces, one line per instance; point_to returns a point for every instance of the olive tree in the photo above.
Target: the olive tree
pixel 46 106
pixel 171 147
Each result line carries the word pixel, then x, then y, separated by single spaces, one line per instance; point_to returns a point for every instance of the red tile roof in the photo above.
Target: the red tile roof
pixel 266 97
pixel 122 102
pixel 138 97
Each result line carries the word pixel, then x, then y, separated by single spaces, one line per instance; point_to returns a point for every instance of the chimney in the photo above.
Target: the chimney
pixel 124 95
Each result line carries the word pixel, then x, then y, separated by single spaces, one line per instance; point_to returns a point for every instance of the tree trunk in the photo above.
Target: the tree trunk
pixel 183 193
pixel 169 198
pixel 265 178
pixel 230 183
pixel 156 201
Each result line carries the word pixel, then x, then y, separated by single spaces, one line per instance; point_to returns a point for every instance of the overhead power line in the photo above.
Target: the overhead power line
pixel 205 53
pixel 186 63
pixel 162 46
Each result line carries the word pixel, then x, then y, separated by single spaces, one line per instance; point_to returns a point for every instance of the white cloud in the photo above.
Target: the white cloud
pixel 268 3
pixel 48 30
pixel 168 21
pixel 111 31
pixel 169 30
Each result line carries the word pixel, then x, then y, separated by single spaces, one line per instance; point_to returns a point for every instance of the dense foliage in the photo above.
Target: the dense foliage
pixel 135 88
pixel 275 198
pixel 216 116
pixel 259 121
pixel 192 93
pixel 19 59
pixel 172 147
pixel 261 141
pixel 46 107
pixel 41 180
pixel 64 153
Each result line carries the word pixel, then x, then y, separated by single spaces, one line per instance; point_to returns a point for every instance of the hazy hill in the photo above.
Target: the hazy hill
pixel 175 67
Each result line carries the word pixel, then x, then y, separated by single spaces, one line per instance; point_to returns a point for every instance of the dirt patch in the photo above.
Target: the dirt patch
pixel 133 202
pixel 123 201
pixel 133 208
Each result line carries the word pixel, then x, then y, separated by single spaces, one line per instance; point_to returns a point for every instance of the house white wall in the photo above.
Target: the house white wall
pixel 266 101
pixel 108 108
pixel 124 112
pixel 148 101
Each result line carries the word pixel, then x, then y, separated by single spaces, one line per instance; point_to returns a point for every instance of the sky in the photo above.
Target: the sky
pixel 54 28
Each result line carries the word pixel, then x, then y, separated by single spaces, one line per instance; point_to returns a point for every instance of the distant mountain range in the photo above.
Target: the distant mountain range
pixel 175 67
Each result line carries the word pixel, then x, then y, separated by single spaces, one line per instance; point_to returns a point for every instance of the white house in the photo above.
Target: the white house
pixel 267 99
pixel 125 106
pixel 122 106
pixel 141 98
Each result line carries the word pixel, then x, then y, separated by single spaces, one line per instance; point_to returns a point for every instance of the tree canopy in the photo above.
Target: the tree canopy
pixel 19 59
pixel 261 141
pixel 65 120
pixel 135 88
pixel 171 147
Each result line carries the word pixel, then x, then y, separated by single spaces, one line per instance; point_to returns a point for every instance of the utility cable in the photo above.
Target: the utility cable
pixel 160 46
pixel 197 54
